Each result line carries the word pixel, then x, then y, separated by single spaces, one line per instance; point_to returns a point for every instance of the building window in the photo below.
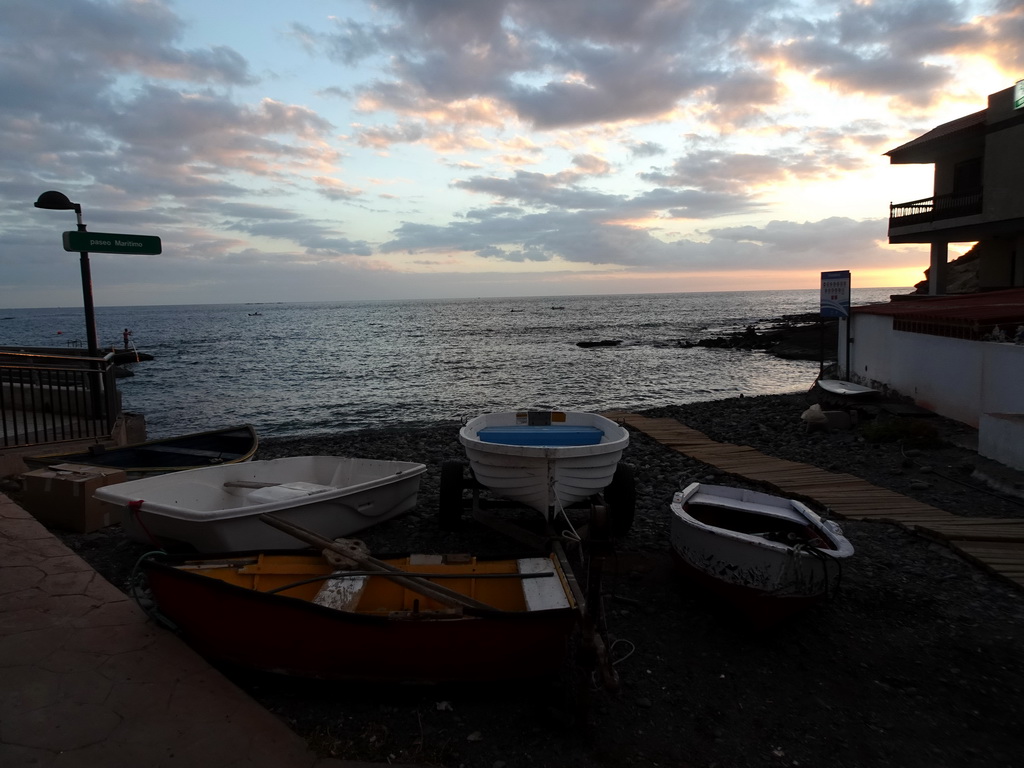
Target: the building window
pixel 967 176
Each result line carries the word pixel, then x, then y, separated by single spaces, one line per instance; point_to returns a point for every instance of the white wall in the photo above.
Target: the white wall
pixel 1001 437
pixel 956 378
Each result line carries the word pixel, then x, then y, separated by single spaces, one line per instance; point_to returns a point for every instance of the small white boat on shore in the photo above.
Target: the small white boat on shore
pixel 217 509
pixel 767 555
pixel 846 390
pixel 545 460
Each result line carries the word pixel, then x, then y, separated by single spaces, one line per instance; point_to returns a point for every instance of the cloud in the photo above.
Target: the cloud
pixel 552 65
pixel 538 189
pixel 70 114
pixel 382 136
pixel 175 128
pixel 889 48
pixel 335 189
pixel 742 173
pixel 688 204
pixel 579 134
pixel 645 148
pixel 505 235
pixel 102 97
pixel 586 238
pixel 802 242
pixel 315 239
pixel 91 40
pixel 577 62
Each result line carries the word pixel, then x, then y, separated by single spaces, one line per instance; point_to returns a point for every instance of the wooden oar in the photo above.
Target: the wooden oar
pixel 248 484
pixel 441 594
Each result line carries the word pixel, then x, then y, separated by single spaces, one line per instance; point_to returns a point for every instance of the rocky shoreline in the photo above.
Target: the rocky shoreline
pixel 916 662
pixel 804 336
pixel 791 337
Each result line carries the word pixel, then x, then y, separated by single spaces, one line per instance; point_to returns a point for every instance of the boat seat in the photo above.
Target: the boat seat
pixel 550 435
pixel 542 594
pixel 712 500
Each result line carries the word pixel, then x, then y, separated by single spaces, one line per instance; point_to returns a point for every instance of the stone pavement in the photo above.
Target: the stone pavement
pixel 88 681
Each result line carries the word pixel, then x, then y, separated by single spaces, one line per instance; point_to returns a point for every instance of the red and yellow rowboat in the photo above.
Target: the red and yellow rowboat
pixel 439 619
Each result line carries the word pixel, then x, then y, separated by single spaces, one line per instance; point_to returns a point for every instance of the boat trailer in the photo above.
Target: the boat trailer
pixel 581 549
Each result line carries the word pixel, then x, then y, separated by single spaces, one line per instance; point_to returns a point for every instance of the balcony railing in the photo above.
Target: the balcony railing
pixel 935 208
pixel 48 398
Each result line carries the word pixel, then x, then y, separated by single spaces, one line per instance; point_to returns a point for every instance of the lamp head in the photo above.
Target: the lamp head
pixel 56 201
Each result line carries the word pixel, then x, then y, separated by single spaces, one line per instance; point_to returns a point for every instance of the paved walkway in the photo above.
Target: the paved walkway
pixel 87 681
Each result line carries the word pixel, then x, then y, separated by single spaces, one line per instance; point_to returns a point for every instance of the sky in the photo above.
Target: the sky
pixel 334 150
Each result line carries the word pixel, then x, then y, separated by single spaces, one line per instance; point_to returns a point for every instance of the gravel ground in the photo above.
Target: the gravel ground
pixel 916 663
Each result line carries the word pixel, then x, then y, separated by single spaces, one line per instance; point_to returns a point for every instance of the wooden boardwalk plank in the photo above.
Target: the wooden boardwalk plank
pixel 998 547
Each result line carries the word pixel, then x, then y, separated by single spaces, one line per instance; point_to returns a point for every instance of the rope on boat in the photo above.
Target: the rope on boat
pixel 825 558
pixel 795 561
pixel 572 534
pixel 134 508
pixel 148 606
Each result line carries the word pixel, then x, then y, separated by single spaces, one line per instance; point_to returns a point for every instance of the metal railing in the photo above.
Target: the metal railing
pixel 935 208
pixel 48 398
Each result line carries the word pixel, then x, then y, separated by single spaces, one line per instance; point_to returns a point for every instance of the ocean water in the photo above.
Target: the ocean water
pixel 308 368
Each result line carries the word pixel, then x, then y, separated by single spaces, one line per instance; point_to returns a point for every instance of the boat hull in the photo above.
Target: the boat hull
pixel 154 457
pixel 845 390
pixel 291 635
pixel 768 556
pixel 531 468
pixel 215 509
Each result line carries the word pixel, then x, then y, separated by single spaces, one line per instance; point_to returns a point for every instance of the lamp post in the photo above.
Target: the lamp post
pixel 58 201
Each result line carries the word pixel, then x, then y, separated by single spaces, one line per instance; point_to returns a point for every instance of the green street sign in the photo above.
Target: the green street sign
pixel 104 242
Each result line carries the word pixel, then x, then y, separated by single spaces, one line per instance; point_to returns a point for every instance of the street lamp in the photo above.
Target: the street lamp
pixel 58 201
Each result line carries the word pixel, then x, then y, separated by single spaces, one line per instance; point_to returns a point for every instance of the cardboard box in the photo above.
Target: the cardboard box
pixel 61 496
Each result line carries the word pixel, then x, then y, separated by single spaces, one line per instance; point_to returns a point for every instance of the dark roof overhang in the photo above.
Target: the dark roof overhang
pixel 924 148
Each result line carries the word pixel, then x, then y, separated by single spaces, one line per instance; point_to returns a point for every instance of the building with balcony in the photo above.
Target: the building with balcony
pixel 978 194
pixel 958 355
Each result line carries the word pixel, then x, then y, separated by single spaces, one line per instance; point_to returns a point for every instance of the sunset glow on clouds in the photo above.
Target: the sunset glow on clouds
pixel 337 149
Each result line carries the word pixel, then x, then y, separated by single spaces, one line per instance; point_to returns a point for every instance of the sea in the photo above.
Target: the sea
pixel 305 369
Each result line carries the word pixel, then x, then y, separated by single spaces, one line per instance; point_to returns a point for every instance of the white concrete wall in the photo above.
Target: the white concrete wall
pixel 1003 386
pixel 956 378
pixel 1001 437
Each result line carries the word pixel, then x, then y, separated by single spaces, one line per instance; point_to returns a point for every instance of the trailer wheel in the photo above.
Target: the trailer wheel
pixel 449 511
pixel 621 497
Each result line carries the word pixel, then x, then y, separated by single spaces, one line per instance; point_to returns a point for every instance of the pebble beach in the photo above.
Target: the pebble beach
pixel 915 662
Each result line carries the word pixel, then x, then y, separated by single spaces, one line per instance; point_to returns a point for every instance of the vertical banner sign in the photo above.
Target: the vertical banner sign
pixel 1018 95
pixel 835 293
